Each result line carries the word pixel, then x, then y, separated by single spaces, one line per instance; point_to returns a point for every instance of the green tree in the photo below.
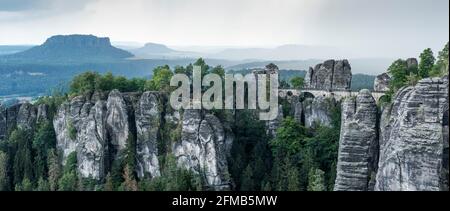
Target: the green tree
pixel 247 183
pixel 316 180
pixel 129 183
pixel 441 66
pixel 399 72
pixel 44 140
pixel 426 63
pixel 204 67
pixel 3 171
pixel 54 169
pixel 43 185
pixel 69 179
pixel 160 80
pixel 105 83
pixel 109 185
pixel 84 83
pixel 290 138
pixel 23 159
pixel 25 185
pixel 293 179
pixel 219 71
pixel 68 182
pixel 297 82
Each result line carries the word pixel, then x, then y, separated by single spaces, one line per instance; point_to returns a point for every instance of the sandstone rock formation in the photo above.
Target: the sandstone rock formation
pixel 99 127
pixel 203 148
pixel 26 117
pixel 357 144
pixel 318 110
pixel 272 126
pixel 148 122
pixel 117 122
pixel 382 82
pixel 330 75
pixel 413 142
pixel 80 127
pixel 23 116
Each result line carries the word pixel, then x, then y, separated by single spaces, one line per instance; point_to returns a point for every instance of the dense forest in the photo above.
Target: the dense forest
pixel 297 159
pixel 29 159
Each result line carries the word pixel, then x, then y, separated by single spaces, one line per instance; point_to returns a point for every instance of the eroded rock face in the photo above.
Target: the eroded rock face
pixel 148 122
pixel 357 143
pixel 26 117
pixel 42 113
pixel 272 126
pixel 91 143
pixel 203 148
pixel 330 75
pixel 412 146
pixel 298 111
pixel 80 127
pixel 382 82
pixel 117 121
pixel 318 111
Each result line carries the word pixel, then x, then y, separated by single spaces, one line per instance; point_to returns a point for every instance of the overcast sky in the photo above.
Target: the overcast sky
pixel 366 27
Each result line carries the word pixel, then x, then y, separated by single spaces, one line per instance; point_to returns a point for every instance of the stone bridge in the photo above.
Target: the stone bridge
pixel 336 94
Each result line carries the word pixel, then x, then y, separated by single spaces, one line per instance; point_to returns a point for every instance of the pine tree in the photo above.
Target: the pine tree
pixel 43 185
pixel 54 170
pixel 25 185
pixel 44 140
pixel 3 171
pixel 247 183
pixel 441 66
pixel 68 182
pixel 129 183
pixel 69 179
pixel 23 163
pixel 426 63
pixel 109 185
pixel 293 179
pixel 316 180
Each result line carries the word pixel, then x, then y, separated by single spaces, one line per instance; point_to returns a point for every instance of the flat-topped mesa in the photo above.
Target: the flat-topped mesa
pixel 329 75
pixel 71 48
pixel 357 143
pixel 414 139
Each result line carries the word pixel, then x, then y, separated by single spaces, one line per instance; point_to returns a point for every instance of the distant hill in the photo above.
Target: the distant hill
pixel 159 51
pixel 71 48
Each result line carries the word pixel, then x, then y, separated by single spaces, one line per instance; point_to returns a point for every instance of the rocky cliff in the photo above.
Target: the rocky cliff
pixel 414 139
pixel 357 145
pixel 410 150
pixel 204 148
pixel 330 75
pixel 381 83
pixel 100 127
pixel 24 116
